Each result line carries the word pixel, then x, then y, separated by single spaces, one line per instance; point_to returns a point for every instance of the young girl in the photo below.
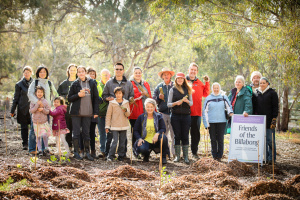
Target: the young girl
pixel 59 122
pixel 39 117
pixel 117 121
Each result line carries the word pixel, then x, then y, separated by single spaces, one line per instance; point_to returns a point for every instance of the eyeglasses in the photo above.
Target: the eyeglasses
pixel 119 69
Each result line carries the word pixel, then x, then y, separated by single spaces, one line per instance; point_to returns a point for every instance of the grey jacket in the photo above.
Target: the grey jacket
pixel 112 84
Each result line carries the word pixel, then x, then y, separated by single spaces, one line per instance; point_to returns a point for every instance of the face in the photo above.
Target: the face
pixel 263 84
pixel 179 81
pixel 105 76
pixel 216 89
pixel 39 93
pixel 119 95
pixel 56 103
pixel 255 80
pixel 193 70
pixel 166 76
pixel 239 84
pixel 119 71
pixel 81 73
pixel 72 71
pixel 92 75
pixel 150 108
pixel 27 74
pixel 43 74
pixel 137 74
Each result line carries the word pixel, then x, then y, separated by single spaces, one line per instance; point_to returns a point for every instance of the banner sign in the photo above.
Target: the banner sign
pixel 246 134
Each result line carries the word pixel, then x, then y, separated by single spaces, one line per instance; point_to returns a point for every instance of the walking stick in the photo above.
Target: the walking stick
pixel 273 153
pixel 59 149
pixel 5 128
pixel 160 160
pixel 258 157
pixel 37 137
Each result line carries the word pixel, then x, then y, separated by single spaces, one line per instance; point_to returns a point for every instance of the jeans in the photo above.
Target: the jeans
pixel 216 132
pixel 269 144
pixel 24 134
pixel 147 147
pixel 102 134
pixel 195 133
pixel 121 137
pixel 181 126
pixel 167 120
pixel 32 140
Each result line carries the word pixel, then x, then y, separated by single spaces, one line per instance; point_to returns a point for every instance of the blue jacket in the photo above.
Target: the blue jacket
pixel 213 109
pixel 162 105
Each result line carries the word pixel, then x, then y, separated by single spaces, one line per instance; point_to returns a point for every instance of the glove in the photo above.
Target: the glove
pixel 273 123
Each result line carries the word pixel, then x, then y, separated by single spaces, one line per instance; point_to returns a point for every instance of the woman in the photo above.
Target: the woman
pixel 240 99
pixel 180 100
pixel 214 119
pixel 267 104
pixel 63 90
pixel 84 99
pixel 42 74
pixel 21 100
pixel 141 92
pixel 148 130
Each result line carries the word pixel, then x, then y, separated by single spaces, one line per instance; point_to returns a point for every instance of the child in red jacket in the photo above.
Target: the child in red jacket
pixel 59 125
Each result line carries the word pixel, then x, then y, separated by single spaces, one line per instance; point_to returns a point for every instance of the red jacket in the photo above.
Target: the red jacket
pixel 200 90
pixel 136 111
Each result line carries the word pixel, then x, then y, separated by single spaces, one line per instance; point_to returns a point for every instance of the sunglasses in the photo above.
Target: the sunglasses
pixel 119 69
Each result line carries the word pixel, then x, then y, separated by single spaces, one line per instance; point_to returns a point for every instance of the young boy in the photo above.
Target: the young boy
pixel 117 122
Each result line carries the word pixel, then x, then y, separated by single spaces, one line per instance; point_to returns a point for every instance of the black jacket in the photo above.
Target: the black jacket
pixel 267 104
pixel 75 100
pixel 21 100
pixel 63 89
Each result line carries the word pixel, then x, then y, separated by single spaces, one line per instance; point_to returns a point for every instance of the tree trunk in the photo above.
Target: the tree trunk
pixel 285 110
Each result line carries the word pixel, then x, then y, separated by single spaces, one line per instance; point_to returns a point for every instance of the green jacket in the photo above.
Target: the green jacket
pixel 103 106
pixel 243 101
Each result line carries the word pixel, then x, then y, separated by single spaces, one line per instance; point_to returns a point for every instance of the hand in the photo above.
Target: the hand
pixel 178 103
pixel 106 130
pixel 273 123
pixel 145 93
pixel 40 109
pixel 12 114
pixel 155 138
pixel 161 96
pixel 140 142
pixel 88 90
pixel 206 78
pixel 245 114
pixel 81 93
pixel 186 100
pixel 230 114
pixel 109 98
pixel 40 103
pixel 95 116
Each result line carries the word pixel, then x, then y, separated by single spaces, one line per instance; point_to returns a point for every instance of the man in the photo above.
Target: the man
pixel 162 100
pixel 200 90
pixel 119 80
pixel 105 76
pixel 255 78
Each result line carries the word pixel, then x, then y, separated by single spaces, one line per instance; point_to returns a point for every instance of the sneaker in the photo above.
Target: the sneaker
pixel 109 159
pixel 41 153
pixel 25 147
pixel 46 151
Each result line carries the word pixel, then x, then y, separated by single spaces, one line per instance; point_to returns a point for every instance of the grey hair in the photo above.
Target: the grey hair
pixel 220 91
pixel 256 73
pixel 193 64
pixel 135 68
pixel 150 100
pixel 240 77
pixel 105 70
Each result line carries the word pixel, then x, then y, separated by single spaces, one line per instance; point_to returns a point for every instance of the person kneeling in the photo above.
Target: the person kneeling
pixel 148 130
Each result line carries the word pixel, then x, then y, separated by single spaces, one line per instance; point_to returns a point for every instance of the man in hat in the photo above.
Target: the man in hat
pixel 200 90
pixel 255 78
pixel 161 93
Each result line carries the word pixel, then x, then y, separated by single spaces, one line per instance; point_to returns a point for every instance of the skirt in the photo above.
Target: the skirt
pixel 44 129
pixel 62 131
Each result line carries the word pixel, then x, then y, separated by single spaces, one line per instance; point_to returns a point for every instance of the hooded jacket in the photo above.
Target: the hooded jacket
pixel 58 114
pixel 116 119
pixel 243 101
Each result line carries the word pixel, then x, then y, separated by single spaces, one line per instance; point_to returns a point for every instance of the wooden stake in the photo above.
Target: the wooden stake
pixel 273 153
pixel 131 155
pixel 258 157
pixel 5 128
pixel 206 143
pixel 160 160
pixel 59 149
pixel 37 137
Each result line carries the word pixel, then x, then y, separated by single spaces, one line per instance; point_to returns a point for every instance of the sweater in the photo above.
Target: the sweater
pixel 37 116
pixel 116 118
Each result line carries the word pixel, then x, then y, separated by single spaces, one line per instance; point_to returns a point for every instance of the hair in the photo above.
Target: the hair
pixel 119 64
pixel 185 84
pixel 68 69
pixel 39 69
pixel 212 88
pixel 240 77
pixel 255 73
pixel 81 66
pixel 117 89
pixel 61 100
pixel 264 78
pixel 91 69
pixel 105 70
pixel 28 68
pixel 150 100
pixel 135 68
pixel 193 64
pixel 40 88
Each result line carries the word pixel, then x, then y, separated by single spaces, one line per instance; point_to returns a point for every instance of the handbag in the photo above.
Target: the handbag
pixel 227 116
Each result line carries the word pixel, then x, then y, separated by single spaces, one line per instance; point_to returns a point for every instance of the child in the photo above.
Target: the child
pixel 58 114
pixel 39 111
pixel 117 121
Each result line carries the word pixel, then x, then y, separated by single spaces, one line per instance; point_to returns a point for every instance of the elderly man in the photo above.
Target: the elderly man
pixel 161 93
pixel 255 78
pixel 200 90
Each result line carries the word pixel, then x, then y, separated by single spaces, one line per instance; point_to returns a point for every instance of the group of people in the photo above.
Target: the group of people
pixel 161 122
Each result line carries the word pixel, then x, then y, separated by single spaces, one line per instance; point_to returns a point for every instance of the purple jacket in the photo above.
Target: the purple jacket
pixel 59 114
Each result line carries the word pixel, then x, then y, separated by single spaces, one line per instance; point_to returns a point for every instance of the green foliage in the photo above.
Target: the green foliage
pixel 6 186
pixel 166 177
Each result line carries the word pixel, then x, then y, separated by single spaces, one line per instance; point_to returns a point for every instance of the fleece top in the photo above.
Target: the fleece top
pixel 116 118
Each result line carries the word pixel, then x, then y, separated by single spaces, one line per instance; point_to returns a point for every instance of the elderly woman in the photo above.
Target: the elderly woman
pixel 267 104
pixel 148 130
pixel 214 119
pixel 21 101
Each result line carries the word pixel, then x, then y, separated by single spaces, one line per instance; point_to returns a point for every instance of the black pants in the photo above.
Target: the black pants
pixel 181 126
pixel 70 127
pixel 195 133
pixel 84 123
pixel 132 122
pixel 109 138
pixel 146 147
pixel 24 134
pixel 92 137
pixel 216 132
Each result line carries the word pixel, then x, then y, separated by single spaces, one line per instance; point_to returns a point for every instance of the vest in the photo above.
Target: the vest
pixel 184 108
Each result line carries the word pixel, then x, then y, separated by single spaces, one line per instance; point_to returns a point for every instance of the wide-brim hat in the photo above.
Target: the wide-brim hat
pixel 166 70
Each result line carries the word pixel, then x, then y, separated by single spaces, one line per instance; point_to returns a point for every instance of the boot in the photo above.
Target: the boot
pixel 76 149
pixel 177 152
pixel 93 154
pixel 185 149
pixel 86 144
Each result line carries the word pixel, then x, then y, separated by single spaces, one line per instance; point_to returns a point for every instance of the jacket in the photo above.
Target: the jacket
pixel 214 109
pixel 136 111
pixel 112 83
pixel 37 116
pixel 243 101
pixel 104 105
pixel 21 101
pixel 75 99
pixel 267 104
pixel 200 90
pixel 162 104
pixel 63 89
pixel 116 119
pixel 58 114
